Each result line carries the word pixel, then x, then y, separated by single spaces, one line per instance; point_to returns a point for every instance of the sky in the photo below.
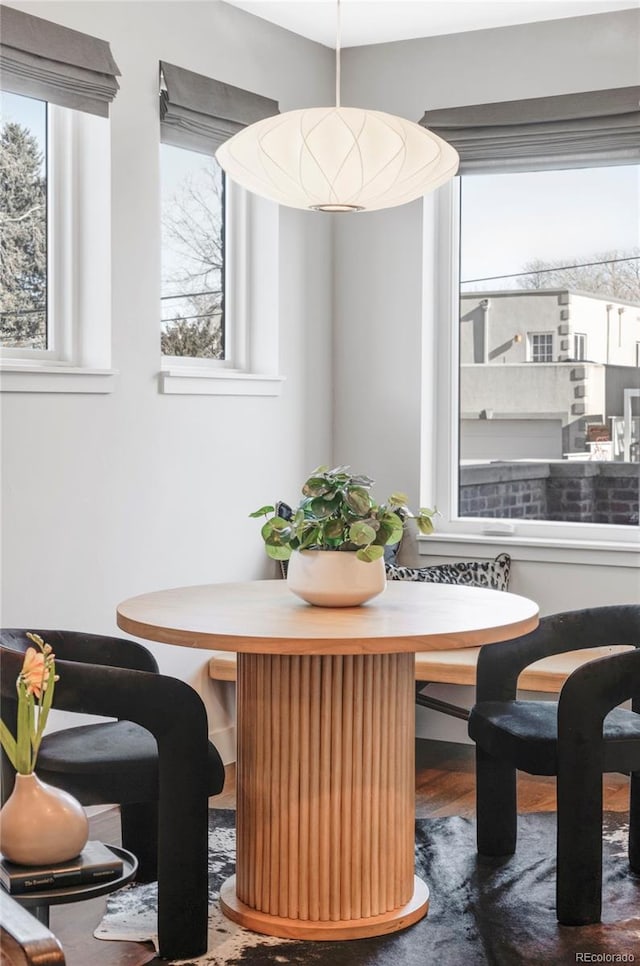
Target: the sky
pixel 510 219
pixel 178 167
pixel 25 110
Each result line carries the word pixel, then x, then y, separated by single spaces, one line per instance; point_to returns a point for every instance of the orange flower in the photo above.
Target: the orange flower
pixel 35 672
pixel 35 686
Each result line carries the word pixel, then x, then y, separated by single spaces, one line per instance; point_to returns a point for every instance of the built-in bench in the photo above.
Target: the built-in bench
pixel 459 667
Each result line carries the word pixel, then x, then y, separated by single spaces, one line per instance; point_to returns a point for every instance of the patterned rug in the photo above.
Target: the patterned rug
pixel 491 912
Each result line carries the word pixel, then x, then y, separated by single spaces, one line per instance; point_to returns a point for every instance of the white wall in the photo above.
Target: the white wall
pixel 612 328
pixel 612 334
pixel 104 497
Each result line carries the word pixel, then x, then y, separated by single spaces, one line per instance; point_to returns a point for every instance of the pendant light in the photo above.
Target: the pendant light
pixel 338 158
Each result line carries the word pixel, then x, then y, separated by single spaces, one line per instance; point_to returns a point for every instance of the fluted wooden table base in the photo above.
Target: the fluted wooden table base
pixel 362 928
pixel 325 846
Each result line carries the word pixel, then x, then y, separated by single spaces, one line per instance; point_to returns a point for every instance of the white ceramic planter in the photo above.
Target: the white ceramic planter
pixel 334 578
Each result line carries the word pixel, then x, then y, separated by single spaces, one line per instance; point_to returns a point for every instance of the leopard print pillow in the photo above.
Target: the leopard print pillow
pixel 476 573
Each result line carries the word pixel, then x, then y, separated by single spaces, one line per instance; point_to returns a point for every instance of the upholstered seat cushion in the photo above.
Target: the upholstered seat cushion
pixel 476 573
pixel 111 761
pixel 526 732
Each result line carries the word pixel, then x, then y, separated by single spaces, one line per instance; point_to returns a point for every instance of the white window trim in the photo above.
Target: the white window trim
pixel 530 337
pixel 251 307
pixel 79 264
pixel 541 540
pixel 580 338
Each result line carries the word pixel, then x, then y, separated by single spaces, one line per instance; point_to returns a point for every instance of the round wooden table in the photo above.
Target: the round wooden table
pixel 325 732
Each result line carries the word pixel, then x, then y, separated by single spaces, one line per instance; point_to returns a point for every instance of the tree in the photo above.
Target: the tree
pixel 614 274
pixel 192 222
pixel 23 239
pixel 199 338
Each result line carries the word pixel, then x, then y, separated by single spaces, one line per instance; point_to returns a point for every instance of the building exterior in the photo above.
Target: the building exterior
pixel 546 374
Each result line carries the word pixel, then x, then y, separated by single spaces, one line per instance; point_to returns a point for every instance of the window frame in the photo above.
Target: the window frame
pixel 580 542
pixel 78 264
pixel 580 346
pixel 531 347
pixel 251 289
pixel 200 112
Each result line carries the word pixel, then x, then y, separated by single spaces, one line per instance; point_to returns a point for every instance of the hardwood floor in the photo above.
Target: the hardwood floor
pixel 444 786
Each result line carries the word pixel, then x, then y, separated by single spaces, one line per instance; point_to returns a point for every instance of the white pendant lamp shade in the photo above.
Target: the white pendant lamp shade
pixel 338 159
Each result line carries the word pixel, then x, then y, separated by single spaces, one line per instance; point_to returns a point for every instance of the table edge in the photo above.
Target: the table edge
pixel 206 640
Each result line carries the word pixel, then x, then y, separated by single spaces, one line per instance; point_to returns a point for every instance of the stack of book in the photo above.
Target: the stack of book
pixel 96 863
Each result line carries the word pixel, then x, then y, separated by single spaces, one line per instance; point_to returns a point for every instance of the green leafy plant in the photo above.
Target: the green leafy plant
pixel 337 512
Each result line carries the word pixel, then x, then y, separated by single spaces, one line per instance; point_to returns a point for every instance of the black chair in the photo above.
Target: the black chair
pixel 156 762
pixel 577 739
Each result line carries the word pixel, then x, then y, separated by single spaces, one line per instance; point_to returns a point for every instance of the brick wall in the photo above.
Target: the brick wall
pixel 571 491
pixel 576 492
pixel 617 493
pixel 504 490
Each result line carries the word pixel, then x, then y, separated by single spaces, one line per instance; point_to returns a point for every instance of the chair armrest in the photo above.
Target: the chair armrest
pixel 593 691
pixel 29 942
pixel 87 648
pixel 159 703
pixel 499 665
pixel 168 708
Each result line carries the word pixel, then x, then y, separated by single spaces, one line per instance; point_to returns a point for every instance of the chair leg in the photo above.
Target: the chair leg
pixel 496 805
pixel 579 846
pixel 634 823
pixel 139 824
pixel 183 883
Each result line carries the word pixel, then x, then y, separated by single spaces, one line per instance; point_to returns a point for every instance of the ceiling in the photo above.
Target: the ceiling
pixel 379 21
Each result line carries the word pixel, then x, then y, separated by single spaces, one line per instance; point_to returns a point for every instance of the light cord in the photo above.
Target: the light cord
pixel 338 54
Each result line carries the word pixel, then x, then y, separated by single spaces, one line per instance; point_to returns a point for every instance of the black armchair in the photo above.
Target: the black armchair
pixel 577 740
pixel 155 762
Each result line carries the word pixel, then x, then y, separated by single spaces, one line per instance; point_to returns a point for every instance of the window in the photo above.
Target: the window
pixel 526 257
pixel 557 270
pixel 193 256
pixel 541 346
pixel 579 346
pixel 23 202
pixel 54 197
pixel 219 329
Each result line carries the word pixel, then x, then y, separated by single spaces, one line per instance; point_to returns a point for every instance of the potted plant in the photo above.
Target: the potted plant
pixel 39 824
pixel 336 536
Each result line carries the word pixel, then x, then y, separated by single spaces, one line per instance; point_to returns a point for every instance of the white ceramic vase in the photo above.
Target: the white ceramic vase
pixel 40 824
pixel 334 578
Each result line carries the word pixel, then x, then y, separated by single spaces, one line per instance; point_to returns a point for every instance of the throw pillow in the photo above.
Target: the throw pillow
pixel 476 573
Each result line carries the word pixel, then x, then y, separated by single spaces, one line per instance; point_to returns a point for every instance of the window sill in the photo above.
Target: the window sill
pixel 543 550
pixel 49 378
pixel 221 382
